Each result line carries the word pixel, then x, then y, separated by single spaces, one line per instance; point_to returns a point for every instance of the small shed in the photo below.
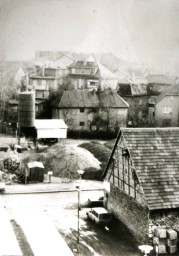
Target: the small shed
pixel 51 128
pixel 35 172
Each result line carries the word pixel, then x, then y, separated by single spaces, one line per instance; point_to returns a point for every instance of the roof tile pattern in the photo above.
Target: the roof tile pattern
pixel 155 155
pixel 90 99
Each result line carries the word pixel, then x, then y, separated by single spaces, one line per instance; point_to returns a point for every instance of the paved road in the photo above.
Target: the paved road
pixel 62 209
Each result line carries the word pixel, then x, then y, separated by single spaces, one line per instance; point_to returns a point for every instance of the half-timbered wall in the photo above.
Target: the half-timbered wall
pixel 125 199
pixel 122 172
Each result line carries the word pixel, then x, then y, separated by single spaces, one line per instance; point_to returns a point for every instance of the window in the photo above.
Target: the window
pixel 92 83
pixel 43 82
pixel 82 110
pixel 73 70
pixel 166 110
pixel 140 102
pixel 34 82
pixel 82 123
pixel 171 97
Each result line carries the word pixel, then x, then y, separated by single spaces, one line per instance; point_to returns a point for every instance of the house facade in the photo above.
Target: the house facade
pixel 142 174
pixel 138 109
pixel 82 75
pixel 45 80
pixel 166 109
pixel 84 110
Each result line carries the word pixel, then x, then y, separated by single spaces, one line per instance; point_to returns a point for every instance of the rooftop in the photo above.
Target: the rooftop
pixel 90 99
pixel 155 154
pixel 172 91
pixel 160 79
pixel 50 123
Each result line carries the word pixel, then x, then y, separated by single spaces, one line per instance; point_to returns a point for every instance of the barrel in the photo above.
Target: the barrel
pixel 26 109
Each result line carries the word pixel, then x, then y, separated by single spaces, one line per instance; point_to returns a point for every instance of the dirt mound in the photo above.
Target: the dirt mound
pixel 100 151
pixel 63 160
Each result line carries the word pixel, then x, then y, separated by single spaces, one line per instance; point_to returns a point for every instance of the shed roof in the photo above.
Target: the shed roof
pixel 50 124
pixel 35 164
pixel 90 99
pixel 155 156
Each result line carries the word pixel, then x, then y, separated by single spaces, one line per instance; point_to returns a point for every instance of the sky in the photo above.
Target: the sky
pixel 140 31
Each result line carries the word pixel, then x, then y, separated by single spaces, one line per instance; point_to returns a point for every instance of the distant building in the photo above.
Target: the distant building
pixel 84 110
pixel 82 75
pixel 141 177
pixel 158 83
pixel 45 80
pixel 134 92
pixel 166 108
pixel 90 74
pixel 63 62
pixel 12 110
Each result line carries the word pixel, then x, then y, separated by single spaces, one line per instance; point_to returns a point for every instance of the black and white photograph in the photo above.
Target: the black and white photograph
pixel 89 127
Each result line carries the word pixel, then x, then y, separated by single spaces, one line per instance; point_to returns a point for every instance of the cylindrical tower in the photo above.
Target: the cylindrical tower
pixel 26 109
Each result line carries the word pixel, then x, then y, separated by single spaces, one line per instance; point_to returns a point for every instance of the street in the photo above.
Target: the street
pixel 61 208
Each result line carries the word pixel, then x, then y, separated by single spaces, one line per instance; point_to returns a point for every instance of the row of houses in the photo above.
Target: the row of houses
pixel 85 72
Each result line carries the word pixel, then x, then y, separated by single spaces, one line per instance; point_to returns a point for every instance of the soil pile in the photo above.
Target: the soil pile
pixel 100 151
pixel 63 160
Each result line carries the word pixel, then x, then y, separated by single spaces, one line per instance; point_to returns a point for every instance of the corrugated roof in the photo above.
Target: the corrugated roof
pixel 90 99
pixel 50 124
pixel 155 155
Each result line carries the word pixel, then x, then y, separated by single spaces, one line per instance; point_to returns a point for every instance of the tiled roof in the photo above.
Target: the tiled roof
pixel 89 99
pixel 155 156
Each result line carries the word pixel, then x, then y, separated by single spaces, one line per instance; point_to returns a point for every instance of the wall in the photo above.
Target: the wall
pixel 73 117
pixel 41 94
pixel 132 214
pixel 82 71
pixel 138 106
pixel 51 83
pixel 125 198
pixel 172 117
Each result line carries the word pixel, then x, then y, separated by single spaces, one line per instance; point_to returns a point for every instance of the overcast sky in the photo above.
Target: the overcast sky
pixel 144 31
